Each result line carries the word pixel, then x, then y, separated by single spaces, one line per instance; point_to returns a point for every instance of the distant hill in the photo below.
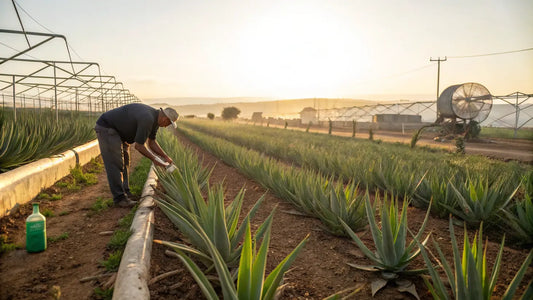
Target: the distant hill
pixel 278 108
pixel 179 101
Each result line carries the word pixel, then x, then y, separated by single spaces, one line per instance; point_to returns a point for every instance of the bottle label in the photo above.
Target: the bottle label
pixel 35 236
pixel 35 226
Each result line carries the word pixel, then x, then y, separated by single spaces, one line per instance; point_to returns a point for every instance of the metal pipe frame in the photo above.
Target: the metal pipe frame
pixel 518 100
pixel 80 85
pixel 73 76
pixel 519 105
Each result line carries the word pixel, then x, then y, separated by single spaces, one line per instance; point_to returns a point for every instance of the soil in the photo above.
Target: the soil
pixel 319 271
pixel 61 266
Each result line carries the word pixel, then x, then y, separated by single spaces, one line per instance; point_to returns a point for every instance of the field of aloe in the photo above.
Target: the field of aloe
pixel 473 188
pixel 35 135
pixel 349 185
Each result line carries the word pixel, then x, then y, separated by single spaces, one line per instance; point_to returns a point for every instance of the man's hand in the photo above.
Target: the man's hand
pixel 168 159
pixel 142 149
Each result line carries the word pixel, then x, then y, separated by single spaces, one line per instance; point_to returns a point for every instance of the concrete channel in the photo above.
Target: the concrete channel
pixel 134 270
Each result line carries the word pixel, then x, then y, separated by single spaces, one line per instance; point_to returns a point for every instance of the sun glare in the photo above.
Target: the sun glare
pixel 300 54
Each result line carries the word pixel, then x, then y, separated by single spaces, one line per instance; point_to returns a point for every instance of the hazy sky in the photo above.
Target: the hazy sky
pixel 289 49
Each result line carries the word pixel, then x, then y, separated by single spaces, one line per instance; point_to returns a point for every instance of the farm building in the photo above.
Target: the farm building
pixel 396 118
pixel 397 121
pixel 308 115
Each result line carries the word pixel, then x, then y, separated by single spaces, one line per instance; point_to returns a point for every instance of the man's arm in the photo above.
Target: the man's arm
pixel 154 146
pixel 142 149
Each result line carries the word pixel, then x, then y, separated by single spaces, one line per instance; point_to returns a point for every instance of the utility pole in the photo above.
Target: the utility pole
pixel 438 60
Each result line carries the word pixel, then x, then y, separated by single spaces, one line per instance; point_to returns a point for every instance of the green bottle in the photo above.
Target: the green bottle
pixel 35 231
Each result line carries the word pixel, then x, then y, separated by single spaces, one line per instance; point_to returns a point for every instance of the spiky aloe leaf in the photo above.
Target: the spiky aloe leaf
pixel 244 279
pixel 390 241
pixel 273 280
pixel 199 277
pixel 513 286
pixel 520 219
pixel 469 278
pixel 185 249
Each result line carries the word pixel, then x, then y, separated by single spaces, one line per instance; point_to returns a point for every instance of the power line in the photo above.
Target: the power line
pixel 394 75
pixel 489 54
pixel 409 71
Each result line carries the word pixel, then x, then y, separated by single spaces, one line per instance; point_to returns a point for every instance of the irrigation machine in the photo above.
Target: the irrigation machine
pixel 460 109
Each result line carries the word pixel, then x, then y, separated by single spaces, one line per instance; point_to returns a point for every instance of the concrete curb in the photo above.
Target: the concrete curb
pixel 24 183
pixel 134 270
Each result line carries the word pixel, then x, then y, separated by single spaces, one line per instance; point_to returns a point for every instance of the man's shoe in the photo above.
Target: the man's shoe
pixel 125 202
pixel 132 197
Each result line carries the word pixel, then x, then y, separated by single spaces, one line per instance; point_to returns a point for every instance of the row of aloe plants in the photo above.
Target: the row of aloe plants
pixel 312 193
pixel 498 191
pixel 216 241
pixel 367 162
pixel 38 135
pixel 393 253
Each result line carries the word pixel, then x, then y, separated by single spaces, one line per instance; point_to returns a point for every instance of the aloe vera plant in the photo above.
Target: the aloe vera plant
pixel 528 182
pixel 344 204
pixel 519 217
pixel 480 203
pixel 470 279
pixel 437 191
pixel 392 255
pixel 396 175
pixel 194 215
pixel 251 282
pixel 184 204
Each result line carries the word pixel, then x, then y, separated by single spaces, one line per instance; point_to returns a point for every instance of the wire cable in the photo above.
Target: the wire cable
pixel 409 71
pixel 394 75
pixel 490 54
pixel 20 21
pixel 25 54
pixel 46 28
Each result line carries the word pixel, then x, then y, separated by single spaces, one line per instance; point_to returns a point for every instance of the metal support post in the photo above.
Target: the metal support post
pixel 55 94
pixel 14 103
pixel 438 60
pixel 517 116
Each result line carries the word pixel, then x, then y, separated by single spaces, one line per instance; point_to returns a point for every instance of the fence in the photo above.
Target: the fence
pixel 511 111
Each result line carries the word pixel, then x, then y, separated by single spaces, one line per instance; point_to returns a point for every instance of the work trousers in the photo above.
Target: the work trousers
pixel 115 154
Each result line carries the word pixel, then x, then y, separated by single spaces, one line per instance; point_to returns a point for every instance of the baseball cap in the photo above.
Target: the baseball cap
pixel 172 114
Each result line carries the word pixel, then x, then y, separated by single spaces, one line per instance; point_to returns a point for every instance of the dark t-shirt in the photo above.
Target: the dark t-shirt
pixel 134 122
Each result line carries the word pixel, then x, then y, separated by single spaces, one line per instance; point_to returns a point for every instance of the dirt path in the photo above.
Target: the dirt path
pixel 65 262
